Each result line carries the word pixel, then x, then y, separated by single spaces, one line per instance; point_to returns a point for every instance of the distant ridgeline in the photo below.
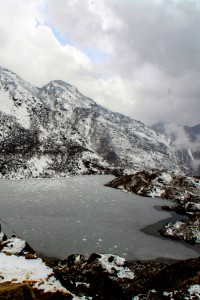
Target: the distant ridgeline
pixel 186 142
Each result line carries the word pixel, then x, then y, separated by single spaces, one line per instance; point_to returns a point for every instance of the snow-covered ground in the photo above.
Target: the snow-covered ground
pixel 16 266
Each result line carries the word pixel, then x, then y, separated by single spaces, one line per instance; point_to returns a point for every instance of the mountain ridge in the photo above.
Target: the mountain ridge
pixel 60 131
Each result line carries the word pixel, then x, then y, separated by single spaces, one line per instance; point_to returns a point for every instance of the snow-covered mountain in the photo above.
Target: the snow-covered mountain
pixel 186 141
pixel 55 130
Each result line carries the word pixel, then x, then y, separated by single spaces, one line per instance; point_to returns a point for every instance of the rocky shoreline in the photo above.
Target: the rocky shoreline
pixel 181 189
pixel 24 275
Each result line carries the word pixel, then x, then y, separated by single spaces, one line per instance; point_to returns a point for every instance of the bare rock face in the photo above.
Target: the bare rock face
pixel 16 291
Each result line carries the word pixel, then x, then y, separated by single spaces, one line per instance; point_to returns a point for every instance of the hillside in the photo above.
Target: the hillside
pixel 55 131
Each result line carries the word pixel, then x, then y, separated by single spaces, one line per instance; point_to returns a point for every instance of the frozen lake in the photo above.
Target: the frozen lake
pixel 59 217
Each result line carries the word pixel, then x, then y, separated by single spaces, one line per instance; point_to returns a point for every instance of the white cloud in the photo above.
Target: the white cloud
pixel 32 50
pixel 141 58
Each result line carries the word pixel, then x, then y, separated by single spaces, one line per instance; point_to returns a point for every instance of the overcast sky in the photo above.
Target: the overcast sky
pixel 137 57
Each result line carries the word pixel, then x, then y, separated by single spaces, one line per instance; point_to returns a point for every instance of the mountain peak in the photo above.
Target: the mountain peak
pixel 60 83
pixel 55 130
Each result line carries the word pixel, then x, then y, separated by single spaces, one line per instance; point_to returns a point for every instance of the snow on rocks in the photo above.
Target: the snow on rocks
pixel 2 237
pixel 158 183
pixel 115 265
pixel 19 269
pixel 180 280
pixel 67 278
pixel 194 291
pixel 185 230
pixel 110 265
pixel 189 293
pixel 18 265
pixel 101 276
pixel 105 275
pixel 13 245
pixel 192 207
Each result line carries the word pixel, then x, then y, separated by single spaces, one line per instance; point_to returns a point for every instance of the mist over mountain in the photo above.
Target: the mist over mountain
pixel 185 140
pixel 55 131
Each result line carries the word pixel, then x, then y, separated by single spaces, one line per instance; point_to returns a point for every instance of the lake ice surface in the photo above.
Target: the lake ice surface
pixel 59 217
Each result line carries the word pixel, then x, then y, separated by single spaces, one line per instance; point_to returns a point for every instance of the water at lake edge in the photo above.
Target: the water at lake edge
pixel 78 214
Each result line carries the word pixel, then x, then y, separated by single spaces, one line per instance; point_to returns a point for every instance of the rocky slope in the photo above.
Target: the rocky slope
pixel 55 131
pixel 164 184
pixel 102 276
pixel 185 230
pixel 179 281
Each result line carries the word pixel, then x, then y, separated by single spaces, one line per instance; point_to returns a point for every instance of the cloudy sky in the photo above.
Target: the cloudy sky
pixel 137 57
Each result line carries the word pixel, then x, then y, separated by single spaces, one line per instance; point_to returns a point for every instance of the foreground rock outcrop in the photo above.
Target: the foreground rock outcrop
pixel 185 230
pixel 176 281
pixel 183 190
pixel 23 275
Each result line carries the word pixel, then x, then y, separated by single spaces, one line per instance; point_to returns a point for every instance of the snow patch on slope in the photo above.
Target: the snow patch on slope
pixel 6 103
pixel 7 106
pixel 38 164
pixel 22 116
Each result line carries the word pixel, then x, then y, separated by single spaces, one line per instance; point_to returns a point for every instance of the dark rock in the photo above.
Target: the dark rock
pixel 168 208
pixel 93 257
pixel 177 275
pixel 94 279
pixel 75 259
pixel 180 210
pixel 21 291
pixel 30 256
